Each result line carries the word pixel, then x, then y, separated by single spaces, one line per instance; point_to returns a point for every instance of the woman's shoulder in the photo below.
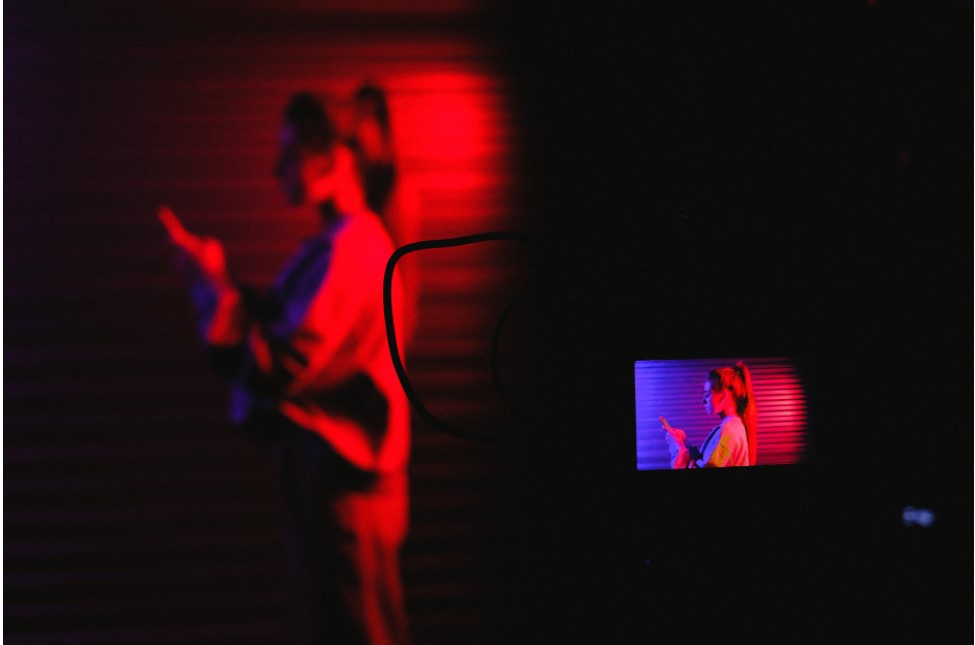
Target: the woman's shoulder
pixel 365 236
pixel 733 424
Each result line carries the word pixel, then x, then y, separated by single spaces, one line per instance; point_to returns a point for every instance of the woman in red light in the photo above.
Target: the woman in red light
pixel 312 379
pixel 727 393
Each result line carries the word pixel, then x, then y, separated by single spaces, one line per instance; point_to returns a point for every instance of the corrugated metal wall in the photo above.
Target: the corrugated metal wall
pixel 132 513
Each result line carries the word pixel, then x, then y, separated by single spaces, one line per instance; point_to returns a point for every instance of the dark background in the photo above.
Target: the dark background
pixel 704 180
pixel 760 180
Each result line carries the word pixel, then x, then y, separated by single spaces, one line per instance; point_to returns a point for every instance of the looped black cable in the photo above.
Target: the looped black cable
pixel 391 330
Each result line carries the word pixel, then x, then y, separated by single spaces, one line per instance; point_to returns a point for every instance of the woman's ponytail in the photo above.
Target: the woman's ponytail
pixel 748 411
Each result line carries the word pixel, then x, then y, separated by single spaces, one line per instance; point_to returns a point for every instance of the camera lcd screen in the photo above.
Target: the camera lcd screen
pixel 672 391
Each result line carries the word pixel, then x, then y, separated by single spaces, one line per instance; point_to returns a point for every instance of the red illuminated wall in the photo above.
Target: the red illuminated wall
pixel 132 511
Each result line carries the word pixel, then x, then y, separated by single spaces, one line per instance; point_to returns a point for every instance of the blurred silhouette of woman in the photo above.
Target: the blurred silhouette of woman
pixel 312 380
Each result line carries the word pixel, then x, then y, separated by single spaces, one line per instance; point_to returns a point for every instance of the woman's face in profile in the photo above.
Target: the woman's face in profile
pixel 712 399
